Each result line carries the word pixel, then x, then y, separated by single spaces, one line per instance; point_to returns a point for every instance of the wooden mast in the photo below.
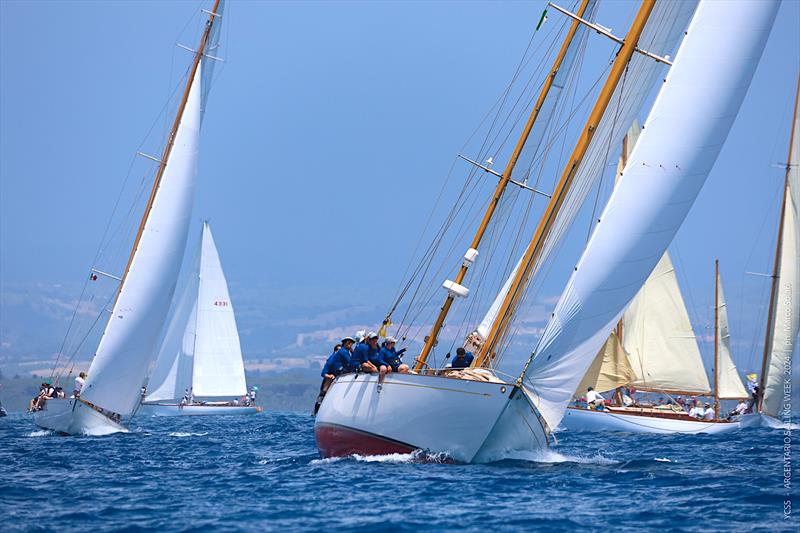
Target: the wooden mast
pixel 762 383
pixel 162 166
pixel 430 340
pixel 533 252
pixel 716 339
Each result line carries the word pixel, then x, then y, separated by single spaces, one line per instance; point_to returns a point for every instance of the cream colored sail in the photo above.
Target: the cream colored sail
pixel 610 369
pixel 659 338
pixel 729 383
pixel 782 340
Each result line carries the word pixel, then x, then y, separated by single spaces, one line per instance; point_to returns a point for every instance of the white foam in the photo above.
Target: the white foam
pixel 417 456
pixel 185 434
pixel 664 460
pixel 39 433
pixel 550 456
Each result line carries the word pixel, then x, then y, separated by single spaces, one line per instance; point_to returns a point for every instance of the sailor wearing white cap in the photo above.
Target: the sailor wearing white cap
pixel 392 356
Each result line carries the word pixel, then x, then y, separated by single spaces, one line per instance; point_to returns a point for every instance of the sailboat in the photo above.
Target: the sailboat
pixel 200 355
pixel 772 408
pixel 653 348
pixel 130 338
pixel 480 414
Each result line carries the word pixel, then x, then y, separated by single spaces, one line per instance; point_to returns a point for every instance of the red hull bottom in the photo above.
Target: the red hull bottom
pixel 341 441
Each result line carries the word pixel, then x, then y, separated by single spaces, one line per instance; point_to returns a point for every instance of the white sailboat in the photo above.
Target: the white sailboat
pixel 200 355
pixel 130 338
pixel 773 407
pixel 478 415
pixel 658 353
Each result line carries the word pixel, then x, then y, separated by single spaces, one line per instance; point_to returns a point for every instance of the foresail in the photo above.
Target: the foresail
pixel 218 365
pixel 683 135
pixel 729 383
pixel 172 373
pixel 609 370
pixel 786 312
pixel 659 338
pixel 130 339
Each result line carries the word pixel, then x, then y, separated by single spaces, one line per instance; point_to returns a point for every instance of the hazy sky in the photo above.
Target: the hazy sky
pixel 330 129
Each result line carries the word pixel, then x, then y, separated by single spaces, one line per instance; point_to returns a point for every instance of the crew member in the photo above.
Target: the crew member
pixel 392 356
pixel 365 351
pixel 708 413
pixel 594 398
pixel 462 359
pixel 338 363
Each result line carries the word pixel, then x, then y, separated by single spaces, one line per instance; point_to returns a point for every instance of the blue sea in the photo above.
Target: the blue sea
pixel 263 473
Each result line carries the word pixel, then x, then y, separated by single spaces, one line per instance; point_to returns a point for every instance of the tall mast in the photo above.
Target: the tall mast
pixel 430 340
pixel 162 165
pixel 762 383
pixel 533 252
pixel 716 339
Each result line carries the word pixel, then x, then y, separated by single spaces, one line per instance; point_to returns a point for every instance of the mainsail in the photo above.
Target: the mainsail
pixel 729 384
pixel 201 349
pixel 119 367
pixel 683 136
pixel 659 338
pixel 785 304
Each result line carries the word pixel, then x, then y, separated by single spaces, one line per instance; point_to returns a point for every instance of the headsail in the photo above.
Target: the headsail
pixel 782 339
pixel 659 338
pixel 683 135
pixel 130 338
pixel 730 385
pixel 610 369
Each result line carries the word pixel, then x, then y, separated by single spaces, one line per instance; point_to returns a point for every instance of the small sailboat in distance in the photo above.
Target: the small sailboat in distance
pixel 113 387
pixel 783 319
pixel 199 368
pixel 654 349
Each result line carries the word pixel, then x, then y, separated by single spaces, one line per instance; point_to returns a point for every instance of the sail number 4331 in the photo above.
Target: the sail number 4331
pixel 221 303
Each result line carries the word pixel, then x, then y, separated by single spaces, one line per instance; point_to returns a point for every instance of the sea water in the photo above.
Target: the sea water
pixel 263 472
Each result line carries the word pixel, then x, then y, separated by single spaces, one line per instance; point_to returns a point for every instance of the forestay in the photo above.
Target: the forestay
pixel 729 383
pixel 659 338
pixel 786 308
pixel 683 135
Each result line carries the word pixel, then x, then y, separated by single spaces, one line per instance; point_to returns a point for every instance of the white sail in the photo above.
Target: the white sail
pixel 130 339
pixel 218 366
pixel 683 135
pixel 659 338
pixel 786 308
pixel 172 373
pixel 729 383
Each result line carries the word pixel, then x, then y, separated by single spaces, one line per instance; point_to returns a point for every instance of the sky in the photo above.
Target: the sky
pixel 330 130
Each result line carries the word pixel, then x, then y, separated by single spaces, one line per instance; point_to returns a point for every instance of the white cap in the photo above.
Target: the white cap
pixel 360 334
pixel 372 335
pixel 390 339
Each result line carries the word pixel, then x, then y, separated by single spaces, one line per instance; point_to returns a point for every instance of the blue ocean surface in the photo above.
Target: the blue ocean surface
pixel 263 472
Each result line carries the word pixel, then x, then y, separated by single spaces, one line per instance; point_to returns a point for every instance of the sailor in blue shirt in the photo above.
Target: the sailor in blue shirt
pixel 338 363
pixel 463 359
pixel 392 356
pixel 364 352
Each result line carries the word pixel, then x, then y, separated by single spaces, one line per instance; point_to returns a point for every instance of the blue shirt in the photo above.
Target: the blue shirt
pixel 391 357
pixel 337 362
pixel 463 362
pixel 360 354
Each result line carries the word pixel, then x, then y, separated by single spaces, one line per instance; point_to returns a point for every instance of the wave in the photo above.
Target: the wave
pixel 187 434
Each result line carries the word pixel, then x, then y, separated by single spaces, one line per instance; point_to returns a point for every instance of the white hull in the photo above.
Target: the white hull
pixel 577 419
pixel 470 421
pixel 760 420
pixel 164 409
pixel 72 417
